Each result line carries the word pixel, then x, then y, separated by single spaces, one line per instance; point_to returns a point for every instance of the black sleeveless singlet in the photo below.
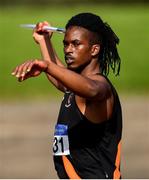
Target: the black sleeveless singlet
pixel 94 148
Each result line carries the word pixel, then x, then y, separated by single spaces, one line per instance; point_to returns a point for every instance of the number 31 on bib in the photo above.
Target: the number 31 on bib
pixel 61 143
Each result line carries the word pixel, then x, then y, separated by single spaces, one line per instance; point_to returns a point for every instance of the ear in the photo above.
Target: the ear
pixel 95 49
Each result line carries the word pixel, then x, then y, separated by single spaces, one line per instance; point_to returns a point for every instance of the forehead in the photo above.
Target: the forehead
pixel 77 32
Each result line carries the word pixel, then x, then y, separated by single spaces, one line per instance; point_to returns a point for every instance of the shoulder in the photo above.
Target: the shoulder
pixel 104 86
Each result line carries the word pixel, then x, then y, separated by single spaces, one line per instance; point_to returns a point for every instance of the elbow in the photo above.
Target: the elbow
pixel 92 91
pixel 96 91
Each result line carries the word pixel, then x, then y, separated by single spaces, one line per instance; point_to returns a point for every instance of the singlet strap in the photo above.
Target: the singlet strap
pixel 69 168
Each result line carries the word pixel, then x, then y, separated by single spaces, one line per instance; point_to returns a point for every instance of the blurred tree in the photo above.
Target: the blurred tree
pixel 52 2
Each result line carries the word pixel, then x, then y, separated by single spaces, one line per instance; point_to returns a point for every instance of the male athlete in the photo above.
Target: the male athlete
pixel 87 138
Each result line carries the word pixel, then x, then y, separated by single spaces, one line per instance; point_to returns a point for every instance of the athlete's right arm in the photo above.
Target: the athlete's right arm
pixel 43 38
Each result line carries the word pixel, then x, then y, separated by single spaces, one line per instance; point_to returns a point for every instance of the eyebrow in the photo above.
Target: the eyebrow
pixel 73 41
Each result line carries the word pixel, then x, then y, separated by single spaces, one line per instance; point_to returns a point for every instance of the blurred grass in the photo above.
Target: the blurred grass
pixel 17 45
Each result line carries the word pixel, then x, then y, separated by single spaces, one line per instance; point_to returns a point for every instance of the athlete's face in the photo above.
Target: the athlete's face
pixel 77 48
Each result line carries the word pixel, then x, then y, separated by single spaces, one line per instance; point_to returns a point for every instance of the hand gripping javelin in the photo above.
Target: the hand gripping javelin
pixel 53 29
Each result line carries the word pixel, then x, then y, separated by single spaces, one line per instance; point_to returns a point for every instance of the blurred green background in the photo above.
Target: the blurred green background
pixel 130 23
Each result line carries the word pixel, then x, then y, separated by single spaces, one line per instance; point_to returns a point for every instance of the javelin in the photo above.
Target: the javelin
pixel 53 29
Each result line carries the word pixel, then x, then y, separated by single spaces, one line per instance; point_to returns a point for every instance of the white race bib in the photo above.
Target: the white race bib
pixel 61 143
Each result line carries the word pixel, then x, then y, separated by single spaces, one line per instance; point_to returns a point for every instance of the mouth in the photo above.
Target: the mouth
pixel 69 60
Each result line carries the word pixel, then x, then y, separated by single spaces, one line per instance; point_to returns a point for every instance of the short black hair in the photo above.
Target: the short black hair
pixel 108 56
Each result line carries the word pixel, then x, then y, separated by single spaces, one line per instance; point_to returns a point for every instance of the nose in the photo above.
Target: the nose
pixel 68 48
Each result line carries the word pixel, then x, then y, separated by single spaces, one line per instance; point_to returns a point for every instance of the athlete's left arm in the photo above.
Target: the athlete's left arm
pixel 93 87
pixel 89 87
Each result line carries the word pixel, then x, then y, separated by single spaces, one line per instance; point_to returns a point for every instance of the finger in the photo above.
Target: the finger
pixel 50 33
pixel 20 79
pixel 14 72
pixel 29 66
pixel 39 26
pixel 46 23
pixel 24 69
pixel 37 29
pixel 17 70
pixel 21 68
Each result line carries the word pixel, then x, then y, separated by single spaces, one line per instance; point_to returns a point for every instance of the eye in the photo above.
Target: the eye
pixel 76 43
pixel 65 43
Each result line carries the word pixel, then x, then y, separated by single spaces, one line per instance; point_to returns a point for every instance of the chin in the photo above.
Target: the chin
pixel 72 68
pixel 75 69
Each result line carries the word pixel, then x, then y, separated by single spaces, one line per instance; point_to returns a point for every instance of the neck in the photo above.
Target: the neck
pixel 92 68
